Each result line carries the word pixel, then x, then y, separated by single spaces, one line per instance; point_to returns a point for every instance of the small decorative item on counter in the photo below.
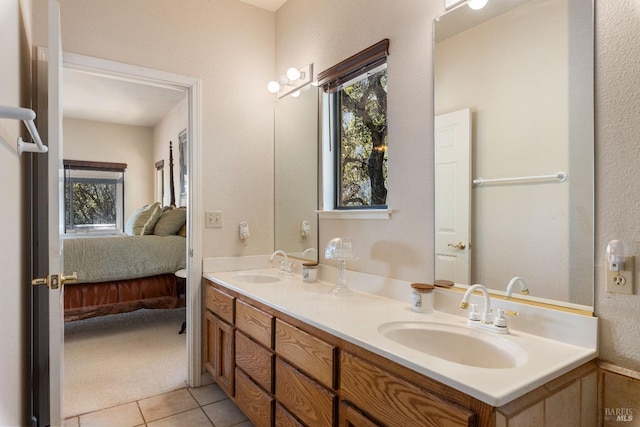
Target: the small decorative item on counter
pixel 422 297
pixel 443 283
pixel 341 250
pixel 310 272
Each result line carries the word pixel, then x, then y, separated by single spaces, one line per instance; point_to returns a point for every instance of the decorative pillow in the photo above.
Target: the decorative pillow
pixel 183 230
pixel 170 222
pixel 143 220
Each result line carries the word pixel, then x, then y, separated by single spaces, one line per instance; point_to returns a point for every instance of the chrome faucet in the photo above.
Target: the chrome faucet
pixel 486 320
pixel 523 286
pixel 285 266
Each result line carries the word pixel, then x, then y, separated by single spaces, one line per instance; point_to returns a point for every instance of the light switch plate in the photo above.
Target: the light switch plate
pixel 620 281
pixel 213 219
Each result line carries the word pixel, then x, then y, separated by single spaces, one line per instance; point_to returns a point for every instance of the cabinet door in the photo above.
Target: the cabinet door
pixel 253 401
pixel 225 356
pixel 255 360
pixel 351 417
pixel 307 400
pixel 285 419
pixel 394 401
pixel 209 341
pixel 307 353
pixel 219 352
pixel 255 323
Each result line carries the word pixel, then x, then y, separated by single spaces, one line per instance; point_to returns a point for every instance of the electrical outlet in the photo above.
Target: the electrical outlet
pixel 213 219
pixel 620 281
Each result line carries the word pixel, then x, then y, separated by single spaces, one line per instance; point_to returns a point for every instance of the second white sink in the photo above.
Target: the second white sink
pixel 456 344
pixel 256 277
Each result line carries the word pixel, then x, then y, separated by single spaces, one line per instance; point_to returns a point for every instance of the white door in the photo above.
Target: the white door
pixel 453 196
pixel 47 302
pixel 55 194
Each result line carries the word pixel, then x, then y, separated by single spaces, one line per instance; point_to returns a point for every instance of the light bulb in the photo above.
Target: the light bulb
pixel 477 4
pixel 273 86
pixel 293 73
pixel 295 94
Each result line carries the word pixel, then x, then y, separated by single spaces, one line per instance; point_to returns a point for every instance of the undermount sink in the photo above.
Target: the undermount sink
pixel 456 344
pixel 256 277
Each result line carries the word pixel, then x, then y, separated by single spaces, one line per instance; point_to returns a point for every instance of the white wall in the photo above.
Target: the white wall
pixel 14 91
pixel 167 130
pixel 617 172
pixel 109 142
pixel 229 45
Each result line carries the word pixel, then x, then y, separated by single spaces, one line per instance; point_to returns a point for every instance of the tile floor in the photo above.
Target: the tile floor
pixel 203 406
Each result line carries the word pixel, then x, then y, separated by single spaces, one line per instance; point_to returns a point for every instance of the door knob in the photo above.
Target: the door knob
pixel 71 278
pixel 53 281
pixel 461 246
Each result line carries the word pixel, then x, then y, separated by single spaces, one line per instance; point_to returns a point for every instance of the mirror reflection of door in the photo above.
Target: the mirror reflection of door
pixel 453 196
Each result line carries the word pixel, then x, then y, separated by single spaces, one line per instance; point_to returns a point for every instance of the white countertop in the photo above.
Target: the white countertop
pixel 356 319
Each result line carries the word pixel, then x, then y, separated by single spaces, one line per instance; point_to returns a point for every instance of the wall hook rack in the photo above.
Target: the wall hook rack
pixel 27 116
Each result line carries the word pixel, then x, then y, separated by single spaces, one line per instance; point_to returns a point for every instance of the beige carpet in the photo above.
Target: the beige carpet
pixel 116 359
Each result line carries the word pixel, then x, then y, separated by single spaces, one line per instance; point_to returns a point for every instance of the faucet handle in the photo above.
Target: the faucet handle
pixel 474 314
pixel 500 321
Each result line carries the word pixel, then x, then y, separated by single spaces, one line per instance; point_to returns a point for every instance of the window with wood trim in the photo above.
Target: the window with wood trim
pixel 355 93
pixel 94 196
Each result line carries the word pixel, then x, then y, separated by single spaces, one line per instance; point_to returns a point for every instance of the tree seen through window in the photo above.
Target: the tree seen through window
pixel 363 166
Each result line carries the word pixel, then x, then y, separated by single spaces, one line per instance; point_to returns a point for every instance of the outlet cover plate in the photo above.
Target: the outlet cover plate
pixel 620 281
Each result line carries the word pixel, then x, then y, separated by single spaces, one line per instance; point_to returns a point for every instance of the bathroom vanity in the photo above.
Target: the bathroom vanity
pixel 290 355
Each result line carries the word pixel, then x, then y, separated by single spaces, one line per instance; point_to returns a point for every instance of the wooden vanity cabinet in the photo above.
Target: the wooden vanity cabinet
pixel 288 373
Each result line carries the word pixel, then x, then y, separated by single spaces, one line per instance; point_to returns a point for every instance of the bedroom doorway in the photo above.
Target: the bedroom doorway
pixel 109 76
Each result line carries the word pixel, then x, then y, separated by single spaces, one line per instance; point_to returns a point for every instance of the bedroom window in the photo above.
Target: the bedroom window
pixel 94 196
pixel 355 107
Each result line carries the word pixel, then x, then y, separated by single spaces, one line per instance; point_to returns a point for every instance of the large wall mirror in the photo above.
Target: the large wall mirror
pixel 514 147
pixel 296 172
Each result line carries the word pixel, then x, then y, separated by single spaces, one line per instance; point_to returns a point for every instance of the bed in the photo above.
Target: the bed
pixel 131 270
pixel 122 273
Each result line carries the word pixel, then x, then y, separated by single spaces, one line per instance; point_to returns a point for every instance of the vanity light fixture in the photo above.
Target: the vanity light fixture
pixel 477 4
pixel 291 82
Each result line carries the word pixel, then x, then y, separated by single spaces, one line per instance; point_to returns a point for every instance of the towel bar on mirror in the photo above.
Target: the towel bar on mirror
pixel 560 176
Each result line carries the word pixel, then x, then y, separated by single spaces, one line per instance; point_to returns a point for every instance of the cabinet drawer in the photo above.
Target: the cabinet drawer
pixel 308 353
pixel 285 419
pixel 255 323
pixel 308 401
pixel 412 406
pixel 352 417
pixel 255 403
pixel 219 302
pixel 255 360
